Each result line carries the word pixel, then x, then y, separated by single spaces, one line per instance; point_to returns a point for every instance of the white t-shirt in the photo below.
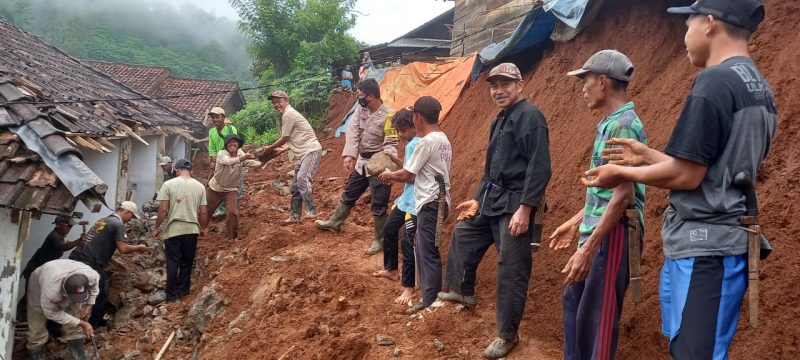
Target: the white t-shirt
pixel 432 155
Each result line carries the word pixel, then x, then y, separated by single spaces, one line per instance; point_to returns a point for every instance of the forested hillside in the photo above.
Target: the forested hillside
pixel 190 41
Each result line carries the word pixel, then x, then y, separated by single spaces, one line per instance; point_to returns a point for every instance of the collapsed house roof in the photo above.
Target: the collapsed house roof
pixel 65 88
pixel 40 171
pixel 158 81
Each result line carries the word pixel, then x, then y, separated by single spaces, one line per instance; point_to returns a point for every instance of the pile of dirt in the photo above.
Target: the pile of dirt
pixel 297 292
pixel 340 104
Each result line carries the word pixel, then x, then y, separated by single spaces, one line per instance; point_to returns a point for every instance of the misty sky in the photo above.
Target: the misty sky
pixel 385 20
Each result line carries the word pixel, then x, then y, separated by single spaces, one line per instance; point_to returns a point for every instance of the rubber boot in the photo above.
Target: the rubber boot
pixel 36 354
pixel 297 203
pixel 311 210
pixel 334 224
pixel 76 349
pixel 377 243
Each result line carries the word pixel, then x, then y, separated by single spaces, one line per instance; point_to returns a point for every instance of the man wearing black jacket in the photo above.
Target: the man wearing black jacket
pixel 516 174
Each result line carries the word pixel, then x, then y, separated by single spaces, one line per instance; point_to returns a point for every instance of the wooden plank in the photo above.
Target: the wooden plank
pixel 105 143
pixel 132 133
pixel 123 169
pixel 97 144
pixel 82 142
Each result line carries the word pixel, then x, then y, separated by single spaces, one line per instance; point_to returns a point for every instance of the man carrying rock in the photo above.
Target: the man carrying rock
pixel 306 152
pixel 224 185
pixel 54 245
pixel 432 156
pixel 515 176
pixel 62 291
pixel 369 131
pixel 183 206
pixel 597 273
pixel 106 236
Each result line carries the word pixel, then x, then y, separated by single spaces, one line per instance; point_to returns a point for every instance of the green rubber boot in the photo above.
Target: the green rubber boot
pixel 76 349
pixel 334 224
pixel 377 243
pixel 297 204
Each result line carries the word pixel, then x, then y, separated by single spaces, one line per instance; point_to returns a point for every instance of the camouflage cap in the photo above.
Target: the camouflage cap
pixel 508 70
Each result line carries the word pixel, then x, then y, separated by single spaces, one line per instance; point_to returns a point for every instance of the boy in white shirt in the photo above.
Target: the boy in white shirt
pixel 433 155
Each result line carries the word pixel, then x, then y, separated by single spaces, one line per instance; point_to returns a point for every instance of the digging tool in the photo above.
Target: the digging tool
pixel 634 250
pixel 744 181
pixel 96 350
pixel 442 204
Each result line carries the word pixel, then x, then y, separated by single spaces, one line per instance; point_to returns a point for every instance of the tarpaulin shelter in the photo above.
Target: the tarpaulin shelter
pixel 402 85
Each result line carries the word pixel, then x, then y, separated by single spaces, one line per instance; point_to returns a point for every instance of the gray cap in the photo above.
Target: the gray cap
pixel 164 160
pixel 611 63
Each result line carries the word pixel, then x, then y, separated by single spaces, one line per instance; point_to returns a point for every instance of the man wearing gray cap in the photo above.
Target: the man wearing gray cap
pixel 516 173
pixel 597 273
pixel 306 151
pixel 54 245
pixel 63 291
pixel 724 132
pixel 106 236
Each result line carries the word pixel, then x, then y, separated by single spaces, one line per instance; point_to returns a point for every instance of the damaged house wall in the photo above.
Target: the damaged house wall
pixel 12 229
pixel 144 165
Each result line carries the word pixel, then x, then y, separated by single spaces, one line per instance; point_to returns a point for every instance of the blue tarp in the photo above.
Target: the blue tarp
pixel 372 73
pixel 533 30
pixel 569 12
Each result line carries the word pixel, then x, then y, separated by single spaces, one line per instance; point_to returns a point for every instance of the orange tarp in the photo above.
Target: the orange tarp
pixel 401 86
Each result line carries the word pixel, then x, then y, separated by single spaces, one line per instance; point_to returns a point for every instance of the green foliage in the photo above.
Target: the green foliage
pixel 293 43
pixel 257 115
pixel 285 34
pixel 264 138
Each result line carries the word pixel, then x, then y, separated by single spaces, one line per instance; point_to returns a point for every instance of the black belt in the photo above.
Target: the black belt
pixel 367 155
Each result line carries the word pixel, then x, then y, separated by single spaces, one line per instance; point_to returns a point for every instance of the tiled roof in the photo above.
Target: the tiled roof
pixel 142 78
pixel 157 82
pixel 26 181
pixel 47 74
pixel 197 106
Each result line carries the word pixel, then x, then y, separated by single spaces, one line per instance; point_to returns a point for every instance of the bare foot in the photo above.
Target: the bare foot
pixel 389 274
pixel 406 296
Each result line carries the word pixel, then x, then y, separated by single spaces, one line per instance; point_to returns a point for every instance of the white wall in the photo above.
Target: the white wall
pixel 9 262
pixel 179 147
pixel 143 163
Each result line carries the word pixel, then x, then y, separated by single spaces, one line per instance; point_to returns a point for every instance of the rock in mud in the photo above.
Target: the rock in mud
pixel 384 340
pixel 157 298
pixel 438 344
pixel 205 308
pixel 397 352
pixel 463 353
pixel 147 310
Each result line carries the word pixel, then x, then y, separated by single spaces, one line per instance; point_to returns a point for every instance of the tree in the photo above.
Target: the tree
pixel 285 34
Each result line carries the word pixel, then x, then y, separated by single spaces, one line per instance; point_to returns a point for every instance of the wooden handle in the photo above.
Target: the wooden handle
pixel 753 256
pixel 634 254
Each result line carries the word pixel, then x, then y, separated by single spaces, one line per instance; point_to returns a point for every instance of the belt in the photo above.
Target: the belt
pixel 495 188
pixel 367 155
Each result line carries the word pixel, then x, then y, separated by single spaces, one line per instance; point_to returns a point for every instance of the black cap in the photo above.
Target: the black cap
pixel 232 137
pixel 746 14
pixel 183 164
pixel 77 288
pixel 428 107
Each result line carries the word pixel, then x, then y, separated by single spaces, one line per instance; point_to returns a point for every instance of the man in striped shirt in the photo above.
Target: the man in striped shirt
pixel 597 274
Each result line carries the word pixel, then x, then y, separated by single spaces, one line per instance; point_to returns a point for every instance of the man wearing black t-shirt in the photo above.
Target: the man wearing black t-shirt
pixel 105 237
pixel 54 245
pixel 726 127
